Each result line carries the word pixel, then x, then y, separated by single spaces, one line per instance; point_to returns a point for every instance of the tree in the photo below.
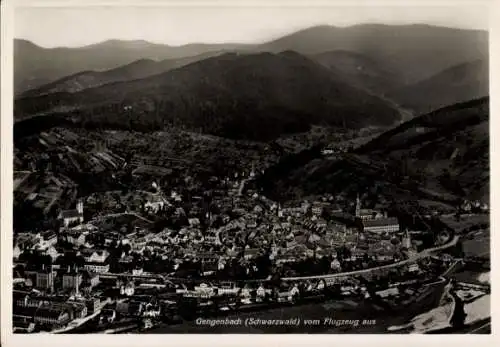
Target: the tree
pixel 127 248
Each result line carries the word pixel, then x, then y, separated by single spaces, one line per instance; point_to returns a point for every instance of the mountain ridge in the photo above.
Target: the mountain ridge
pixel 442 156
pixel 432 49
pixel 459 83
pixel 138 69
pixel 230 95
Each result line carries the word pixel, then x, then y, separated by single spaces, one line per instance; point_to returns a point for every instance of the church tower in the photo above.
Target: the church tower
pixel 252 172
pixel 358 207
pixel 79 207
pixel 407 240
pixel 279 211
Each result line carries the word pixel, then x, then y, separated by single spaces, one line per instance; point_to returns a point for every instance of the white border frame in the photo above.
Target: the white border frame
pixel 9 339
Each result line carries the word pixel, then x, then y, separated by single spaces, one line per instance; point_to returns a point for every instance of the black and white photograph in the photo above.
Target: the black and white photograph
pixel 265 169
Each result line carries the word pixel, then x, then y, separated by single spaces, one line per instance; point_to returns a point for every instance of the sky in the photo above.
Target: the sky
pixel 79 26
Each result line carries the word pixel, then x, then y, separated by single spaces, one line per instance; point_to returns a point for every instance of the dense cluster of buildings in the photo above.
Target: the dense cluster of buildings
pixel 220 232
pixel 209 234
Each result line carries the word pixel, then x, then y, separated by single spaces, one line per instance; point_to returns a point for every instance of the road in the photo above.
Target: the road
pixel 76 323
pixel 421 255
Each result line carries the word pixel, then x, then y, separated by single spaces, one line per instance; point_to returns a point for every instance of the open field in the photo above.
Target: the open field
pixel 467 222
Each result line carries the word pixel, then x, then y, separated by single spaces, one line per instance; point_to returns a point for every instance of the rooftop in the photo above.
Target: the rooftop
pixel 380 222
pixel 70 214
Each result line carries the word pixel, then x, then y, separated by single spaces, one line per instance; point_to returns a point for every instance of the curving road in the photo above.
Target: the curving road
pixel 425 253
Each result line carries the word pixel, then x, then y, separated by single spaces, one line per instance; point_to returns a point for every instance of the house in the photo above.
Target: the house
pixel 368 213
pixel 72 216
pixel 321 223
pixel 227 288
pixel 23 327
pixel 48 239
pixel 394 291
pixel 207 257
pixel 251 224
pixel 137 271
pixel 317 210
pixel 221 264
pixel 20 298
pixel 72 279
pixel 252 253
pixel 127 289
pixel 382 225
pixel 27 240
pixel 155 203
pixel 98 256
pixel 211 238
pixel 382 254
pixel 99 267
pixel 194 222
pixel 261 293
pixel 179 211
pixel 24 314
pixel 313 238
pixel 112 237
pixel 77 308
pixel 335 265
pixel 413 268
pixel 56 317
pixel 209 268
pixel 52 252
pixel 77 238
pixel 126 259
pixel 258 209
pixel 45 278
pixel 16 252
pixel 93 304
pixel 466 206
pixel 91 278
pixel 139 245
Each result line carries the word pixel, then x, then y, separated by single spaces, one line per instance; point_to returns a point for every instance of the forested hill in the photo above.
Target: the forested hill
pixel 254 96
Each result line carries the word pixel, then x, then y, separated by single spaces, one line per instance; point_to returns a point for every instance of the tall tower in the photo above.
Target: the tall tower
pixel 358 206
pixel 252 173
pixel 407 240
pixel 78 279
pixel 79 207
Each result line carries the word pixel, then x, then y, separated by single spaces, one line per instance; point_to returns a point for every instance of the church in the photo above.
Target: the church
pixel 72 216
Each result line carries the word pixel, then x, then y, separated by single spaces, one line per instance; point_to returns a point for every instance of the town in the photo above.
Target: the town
pixel 134 259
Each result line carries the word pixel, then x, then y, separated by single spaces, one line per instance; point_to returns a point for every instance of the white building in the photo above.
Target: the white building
pixel 97 267
pixel 155 203
pixel 128 289
pixel 382 225
pixel 72 216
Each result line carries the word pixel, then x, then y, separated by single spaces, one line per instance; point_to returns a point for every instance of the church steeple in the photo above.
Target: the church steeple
pixel 252 172
pixel 358 207
pixel 407 240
